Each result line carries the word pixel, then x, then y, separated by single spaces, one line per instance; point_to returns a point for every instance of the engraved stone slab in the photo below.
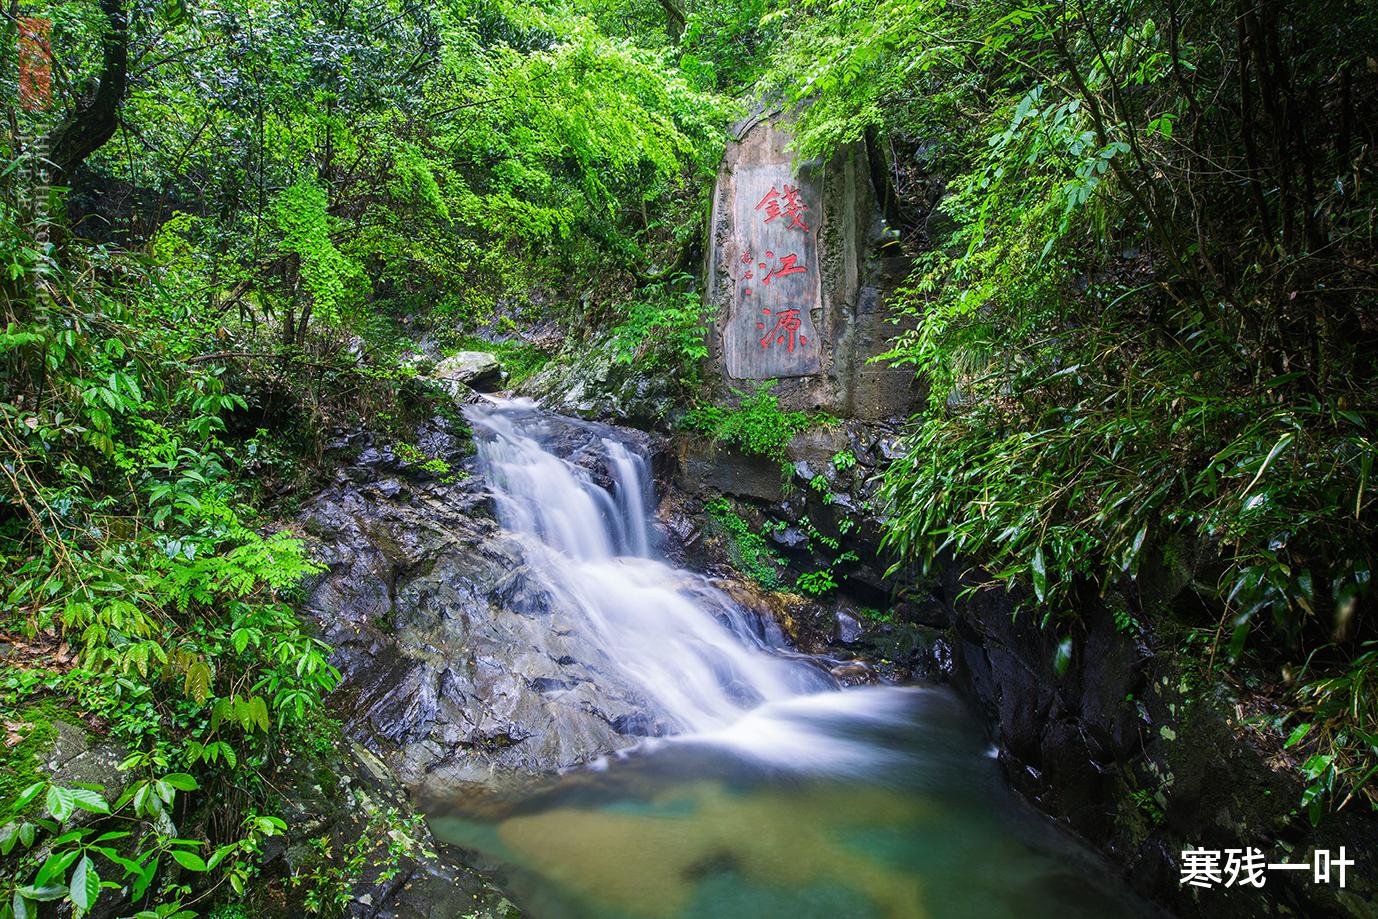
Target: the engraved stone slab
pixel 772 257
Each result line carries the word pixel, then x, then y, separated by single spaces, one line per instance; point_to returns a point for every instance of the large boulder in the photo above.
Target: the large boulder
pixel 589 381
pixel 458 664
pixel 476 369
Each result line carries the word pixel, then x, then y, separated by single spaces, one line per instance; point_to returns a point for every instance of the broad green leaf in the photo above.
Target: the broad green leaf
pixel 89 800
pixel 43 893
pixel 60 803
pixel 1040 574
pixel 189 860
pixel 85 886
pixel 9 835
pixel 55 867
pixel 27 796
pixel 1298 734
pixel 181 781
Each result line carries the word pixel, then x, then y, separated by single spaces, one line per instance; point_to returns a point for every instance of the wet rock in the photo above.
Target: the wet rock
pixel 457 665
pixel 583 444
pixel 347 795
pixel 789 537
pixel 77 758
pixel 678 530
pixel 849 627
pixel 588 381
pixel 1121 750
pixel 710 469
pixel 943 661
pixel 808 624
pixel 477 369
pixel 854 673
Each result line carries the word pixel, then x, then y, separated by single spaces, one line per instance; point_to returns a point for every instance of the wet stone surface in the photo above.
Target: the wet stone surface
pixel 457 666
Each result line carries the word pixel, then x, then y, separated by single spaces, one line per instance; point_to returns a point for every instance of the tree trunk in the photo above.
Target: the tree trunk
pixel 95 118
pixel 674 19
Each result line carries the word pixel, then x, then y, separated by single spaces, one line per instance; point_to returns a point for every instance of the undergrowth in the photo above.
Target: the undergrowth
pixel 756 426
pixel 749 550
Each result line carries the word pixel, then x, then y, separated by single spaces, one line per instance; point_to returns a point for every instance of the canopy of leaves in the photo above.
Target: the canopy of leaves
pixel 276 191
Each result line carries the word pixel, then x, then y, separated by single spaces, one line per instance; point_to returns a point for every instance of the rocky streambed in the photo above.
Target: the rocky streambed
pixel 470 681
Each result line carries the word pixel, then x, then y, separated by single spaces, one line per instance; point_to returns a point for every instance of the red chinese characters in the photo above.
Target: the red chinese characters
pixel 785 203
pixel 779 326
pixel 785 331
pixel 35 64
pixel 787 266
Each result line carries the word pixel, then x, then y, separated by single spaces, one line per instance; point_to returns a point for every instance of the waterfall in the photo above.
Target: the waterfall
pixel 777 797
pixel 701 660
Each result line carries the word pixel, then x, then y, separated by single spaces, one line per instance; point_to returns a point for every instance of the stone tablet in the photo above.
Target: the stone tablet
pixel 772 259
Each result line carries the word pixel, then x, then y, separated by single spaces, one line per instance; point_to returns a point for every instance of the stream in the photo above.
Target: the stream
pixel 767 790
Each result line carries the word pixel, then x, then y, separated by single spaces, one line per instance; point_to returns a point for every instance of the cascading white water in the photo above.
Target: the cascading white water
pixel 780 798
pixel 698 657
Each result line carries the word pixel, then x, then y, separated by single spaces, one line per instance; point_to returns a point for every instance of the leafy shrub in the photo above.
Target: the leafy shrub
pixel 131 538
pixel 1142 325
pixel 816 583
pixel 665 328
pixel 300 212
pixel 436 466
pixel 757 426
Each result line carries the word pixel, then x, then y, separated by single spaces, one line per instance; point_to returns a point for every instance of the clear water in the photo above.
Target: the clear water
pixel 778 795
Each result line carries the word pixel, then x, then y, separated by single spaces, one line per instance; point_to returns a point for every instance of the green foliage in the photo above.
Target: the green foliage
pixel 871 614
pixel 1147 804
pixel 1143 319
pixel 300 213
pixel 1333 720
pixel 415 456
pixel 129 536
pixel 756 426
pixel 664 329
pixel 727 44
pixel 749 549
pixel 61 858
pixel 346 162
pixel 387 838
pixel 230 911
pixel 816 583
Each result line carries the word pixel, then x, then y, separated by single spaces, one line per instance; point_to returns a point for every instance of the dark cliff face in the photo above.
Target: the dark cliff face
pixel 1119 750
